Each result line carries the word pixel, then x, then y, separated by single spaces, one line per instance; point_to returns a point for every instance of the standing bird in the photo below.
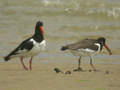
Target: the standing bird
pixel 86 47
pixel 29 47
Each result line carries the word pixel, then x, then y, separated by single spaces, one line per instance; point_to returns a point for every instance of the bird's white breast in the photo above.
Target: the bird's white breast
pixel 98 47
pixel 37 47
pixel 40 46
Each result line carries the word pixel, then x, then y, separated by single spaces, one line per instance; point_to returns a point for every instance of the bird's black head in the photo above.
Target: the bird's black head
pixel 101 40
pixel 39 27
pixel 39 31
pixel 39 23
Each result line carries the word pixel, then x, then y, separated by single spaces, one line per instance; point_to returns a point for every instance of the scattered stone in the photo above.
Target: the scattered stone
pixel 57 70
pixel 90 70
pixel 107 72
pixel 68 72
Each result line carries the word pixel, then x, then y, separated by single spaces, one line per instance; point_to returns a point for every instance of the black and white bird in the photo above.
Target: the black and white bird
pixel 86 47
pixel 29 47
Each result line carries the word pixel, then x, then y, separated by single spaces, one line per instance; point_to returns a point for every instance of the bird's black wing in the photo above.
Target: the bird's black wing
pixel 25 46
pixel 86 43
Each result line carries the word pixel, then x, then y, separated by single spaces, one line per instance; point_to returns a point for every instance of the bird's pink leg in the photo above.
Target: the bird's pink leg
pixel 30 62
pixel 21 59
pixel 94 69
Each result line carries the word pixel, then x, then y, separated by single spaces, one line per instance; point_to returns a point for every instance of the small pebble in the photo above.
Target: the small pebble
pixel 57 70
pixel 90 70
pixel 107 72
pixel 68 72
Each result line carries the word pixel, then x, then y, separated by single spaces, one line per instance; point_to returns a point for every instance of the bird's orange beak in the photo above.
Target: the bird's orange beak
pixel 108 49
pixel 41 28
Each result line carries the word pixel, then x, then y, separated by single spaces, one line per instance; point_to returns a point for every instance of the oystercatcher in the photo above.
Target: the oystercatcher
pixel 29 47
pixel 87 47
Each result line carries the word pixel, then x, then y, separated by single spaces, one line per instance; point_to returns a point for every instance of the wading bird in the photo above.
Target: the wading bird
pixel 29 47
pixel 86 47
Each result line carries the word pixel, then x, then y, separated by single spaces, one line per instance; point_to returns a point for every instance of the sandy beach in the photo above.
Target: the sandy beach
pixel 65 22
pixel 43 77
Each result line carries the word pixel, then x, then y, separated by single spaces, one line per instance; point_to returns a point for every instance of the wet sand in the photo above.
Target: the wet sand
pixel 65 22
pixel 43 77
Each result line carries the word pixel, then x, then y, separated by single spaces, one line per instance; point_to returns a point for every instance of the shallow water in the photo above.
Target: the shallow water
pixel 65 21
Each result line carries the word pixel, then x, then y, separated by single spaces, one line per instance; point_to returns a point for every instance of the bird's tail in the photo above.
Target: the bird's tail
pixel 6 58
pixel 64 48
